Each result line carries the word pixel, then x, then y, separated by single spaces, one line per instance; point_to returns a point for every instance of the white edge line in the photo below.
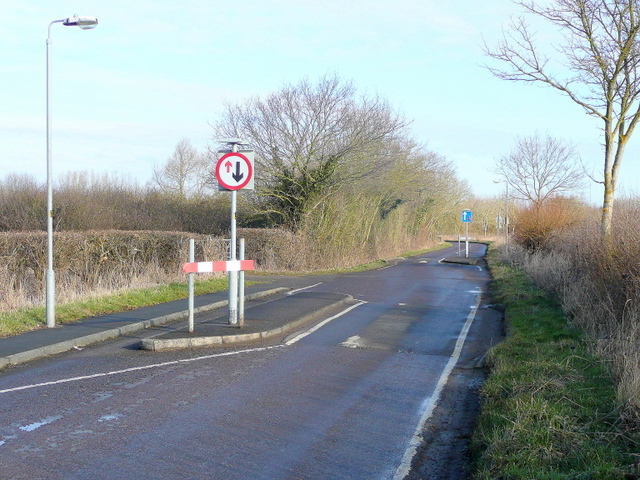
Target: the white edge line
pixel 303 288
pixel 323 323
pixel 430 403
pixel 134 369
pixel 177 362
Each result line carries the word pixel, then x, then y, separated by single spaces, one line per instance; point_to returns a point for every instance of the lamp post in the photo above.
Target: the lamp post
pixel 506 215
pixel 84 23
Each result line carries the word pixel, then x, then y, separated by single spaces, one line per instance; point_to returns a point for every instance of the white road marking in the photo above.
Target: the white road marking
pixel 429 404
pixel 292 292
pixel 134 369
pixel 323 323
pixel 177 362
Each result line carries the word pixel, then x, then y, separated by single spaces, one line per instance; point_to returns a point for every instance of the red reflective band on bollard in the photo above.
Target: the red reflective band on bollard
pixel 208 267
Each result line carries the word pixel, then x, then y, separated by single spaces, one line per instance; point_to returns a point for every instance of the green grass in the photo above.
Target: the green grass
pixel 549 407
pixel 19 321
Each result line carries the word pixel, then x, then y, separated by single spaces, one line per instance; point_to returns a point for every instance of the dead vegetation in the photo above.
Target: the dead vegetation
pixel 598 284
pixel 94 263
pixel 100 262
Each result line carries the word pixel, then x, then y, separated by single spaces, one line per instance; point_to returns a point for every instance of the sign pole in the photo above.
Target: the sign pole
pixel 233 276
pixel 241 288
pixel 192 250
pixel 466 234
pixel 467 218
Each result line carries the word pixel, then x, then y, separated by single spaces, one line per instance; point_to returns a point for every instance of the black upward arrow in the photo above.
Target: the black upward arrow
pixel 238 175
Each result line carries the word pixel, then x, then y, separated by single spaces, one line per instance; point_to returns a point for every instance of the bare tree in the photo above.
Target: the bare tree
pixel 541 168
pixel 598 71
pixel 184 174
pixel 309 140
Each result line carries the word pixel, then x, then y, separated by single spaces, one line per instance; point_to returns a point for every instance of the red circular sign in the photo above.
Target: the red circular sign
pixel 234 171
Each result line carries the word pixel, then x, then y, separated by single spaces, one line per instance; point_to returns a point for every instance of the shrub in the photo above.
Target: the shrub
pixel 536 226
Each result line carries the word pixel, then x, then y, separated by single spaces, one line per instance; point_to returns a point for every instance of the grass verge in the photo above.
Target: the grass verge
pixel 22 320
pixel 549 406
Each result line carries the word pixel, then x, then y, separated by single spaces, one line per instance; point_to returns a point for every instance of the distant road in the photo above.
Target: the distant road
pixel 340 402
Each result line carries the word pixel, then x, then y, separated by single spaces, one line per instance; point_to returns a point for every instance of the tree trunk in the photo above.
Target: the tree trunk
pixel 612 167
pixel 607 207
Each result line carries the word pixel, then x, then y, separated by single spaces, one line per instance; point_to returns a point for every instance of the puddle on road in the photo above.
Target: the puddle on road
pixel 109 418
pixel 33 426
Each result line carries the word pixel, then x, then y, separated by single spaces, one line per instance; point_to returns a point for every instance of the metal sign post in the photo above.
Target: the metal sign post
pixel 467 217
pixel 233 276
pixel 241 289
pixel 234 172
pixel 192 250
pixel 216 266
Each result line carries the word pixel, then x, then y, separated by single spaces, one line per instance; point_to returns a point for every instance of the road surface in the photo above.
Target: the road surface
pixel 349 398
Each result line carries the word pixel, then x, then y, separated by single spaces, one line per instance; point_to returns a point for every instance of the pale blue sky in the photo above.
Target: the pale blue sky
pixel 154 72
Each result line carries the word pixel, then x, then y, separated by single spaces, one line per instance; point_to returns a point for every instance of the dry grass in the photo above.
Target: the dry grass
pixel 93 263
pixel 549 405
pixel 100 263
pixel 598 286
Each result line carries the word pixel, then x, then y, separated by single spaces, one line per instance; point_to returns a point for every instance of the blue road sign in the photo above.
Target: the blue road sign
pixel 467 216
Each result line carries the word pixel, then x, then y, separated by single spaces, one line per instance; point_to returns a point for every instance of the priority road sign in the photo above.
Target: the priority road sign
pixel 234 170
pixel 467 216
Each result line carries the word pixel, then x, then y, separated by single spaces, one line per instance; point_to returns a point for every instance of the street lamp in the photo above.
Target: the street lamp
pixel 84 23
pixel 506 219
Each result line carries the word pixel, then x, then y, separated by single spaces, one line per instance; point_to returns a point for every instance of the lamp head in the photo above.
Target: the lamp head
pixel 85 23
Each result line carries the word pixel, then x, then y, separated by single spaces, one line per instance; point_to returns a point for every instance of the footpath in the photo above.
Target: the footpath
pixel 274 307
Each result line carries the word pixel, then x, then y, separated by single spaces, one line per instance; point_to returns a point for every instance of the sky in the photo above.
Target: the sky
pixel 154 72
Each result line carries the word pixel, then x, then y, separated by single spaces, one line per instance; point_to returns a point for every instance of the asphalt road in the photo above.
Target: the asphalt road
pixel 348 398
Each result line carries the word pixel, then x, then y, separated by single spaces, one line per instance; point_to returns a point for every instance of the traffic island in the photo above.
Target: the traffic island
pixel 262 321
pixel 461 260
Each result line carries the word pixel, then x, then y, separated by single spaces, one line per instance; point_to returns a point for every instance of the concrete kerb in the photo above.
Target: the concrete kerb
pixel 157 345
pixel 461 260
pixel 65 346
